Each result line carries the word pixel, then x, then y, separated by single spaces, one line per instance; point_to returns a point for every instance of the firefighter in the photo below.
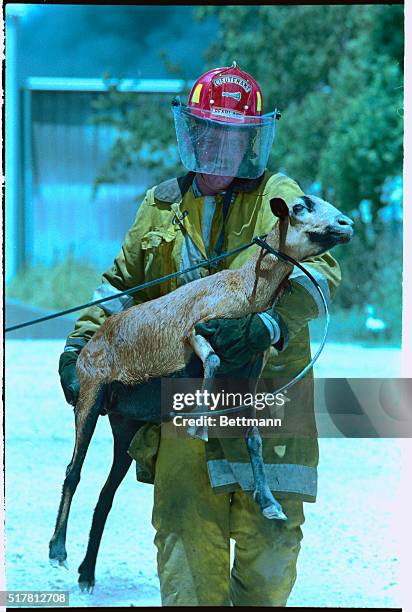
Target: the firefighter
pixel 203 491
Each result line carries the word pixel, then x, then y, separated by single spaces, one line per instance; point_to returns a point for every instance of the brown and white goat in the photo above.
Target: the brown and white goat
pixel 157 338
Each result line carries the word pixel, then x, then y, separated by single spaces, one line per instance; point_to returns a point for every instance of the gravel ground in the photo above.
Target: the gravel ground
pixel 351 540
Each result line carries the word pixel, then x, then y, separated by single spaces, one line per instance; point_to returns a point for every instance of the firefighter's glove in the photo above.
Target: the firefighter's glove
pixel 68 376
pixel 240 343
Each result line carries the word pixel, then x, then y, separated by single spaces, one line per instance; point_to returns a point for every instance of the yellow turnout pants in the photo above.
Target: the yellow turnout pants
pixel 193 530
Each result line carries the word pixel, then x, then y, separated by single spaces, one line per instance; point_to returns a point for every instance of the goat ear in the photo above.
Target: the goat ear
pixel 279 207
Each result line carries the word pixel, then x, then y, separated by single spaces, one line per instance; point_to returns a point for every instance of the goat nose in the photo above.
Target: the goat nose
pixel 344 220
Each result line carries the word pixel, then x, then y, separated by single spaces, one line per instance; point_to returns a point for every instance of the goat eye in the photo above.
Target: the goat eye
pixel 298 208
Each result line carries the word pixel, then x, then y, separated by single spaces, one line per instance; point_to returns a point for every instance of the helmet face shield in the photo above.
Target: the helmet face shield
pixel 228 145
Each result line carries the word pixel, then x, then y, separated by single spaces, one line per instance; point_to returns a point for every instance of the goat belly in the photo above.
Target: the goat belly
pixel 136 402
pixel 141 351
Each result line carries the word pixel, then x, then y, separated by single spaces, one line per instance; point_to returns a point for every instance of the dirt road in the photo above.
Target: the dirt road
pixel 350 548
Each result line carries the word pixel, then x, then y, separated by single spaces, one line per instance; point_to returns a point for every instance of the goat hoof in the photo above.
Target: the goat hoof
pixel 86 579
pixel 58 556
pixel 271 508
pixel 212 362
pixel 59 563
pixel 274 512
pixel 58 560
pixel 86 585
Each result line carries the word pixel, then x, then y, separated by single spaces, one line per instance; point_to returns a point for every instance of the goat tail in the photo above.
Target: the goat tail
pixel 86 414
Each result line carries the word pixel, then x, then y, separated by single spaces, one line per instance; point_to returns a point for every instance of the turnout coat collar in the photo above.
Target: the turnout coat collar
pixel 174 189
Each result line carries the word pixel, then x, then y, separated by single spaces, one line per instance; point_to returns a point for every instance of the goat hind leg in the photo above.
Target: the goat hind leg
pixel 123 432
pixel 86 415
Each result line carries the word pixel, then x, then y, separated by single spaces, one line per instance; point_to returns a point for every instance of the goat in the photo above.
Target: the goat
pixel 157 338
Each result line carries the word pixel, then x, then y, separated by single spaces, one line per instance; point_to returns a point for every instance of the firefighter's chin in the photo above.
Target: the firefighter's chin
pixel 213 182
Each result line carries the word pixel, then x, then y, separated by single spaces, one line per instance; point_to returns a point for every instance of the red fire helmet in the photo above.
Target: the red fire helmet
pixel 223 131
pixel 229 94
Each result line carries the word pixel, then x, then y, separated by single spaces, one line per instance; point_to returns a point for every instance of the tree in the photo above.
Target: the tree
pixel 336 74
pixel 313 63
pixel 144 137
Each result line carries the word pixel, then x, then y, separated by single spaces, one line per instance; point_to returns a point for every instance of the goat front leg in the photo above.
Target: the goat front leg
pixel 271 508
pixel 211 362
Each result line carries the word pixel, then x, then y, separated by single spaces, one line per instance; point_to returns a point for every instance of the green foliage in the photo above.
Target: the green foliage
pixel 145 134
pixel 336 74
pixel 290 50
pixel 349 326
pixel 374 278
pixel 61 286
pixel 365 145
